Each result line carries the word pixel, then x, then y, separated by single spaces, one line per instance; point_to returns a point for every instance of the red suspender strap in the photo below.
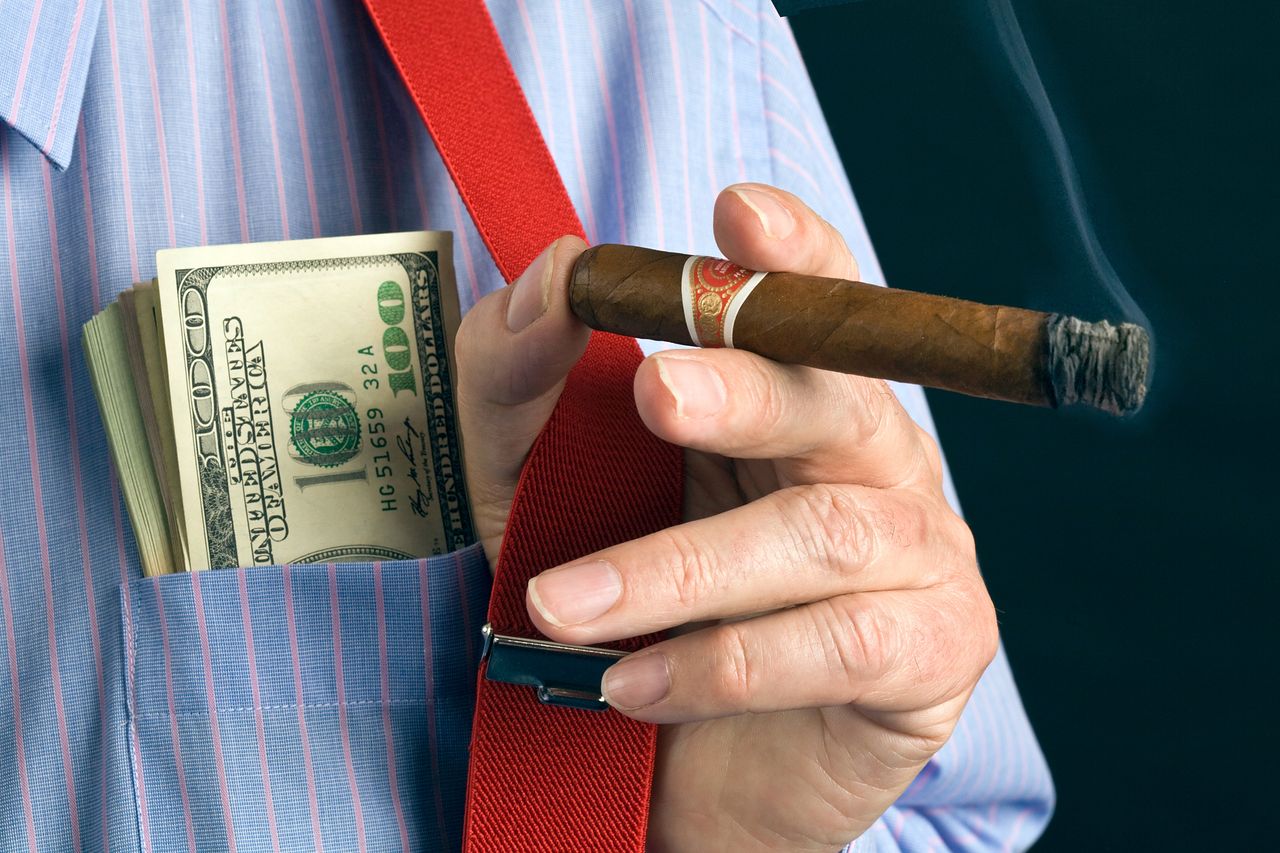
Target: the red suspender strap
pixel 542 778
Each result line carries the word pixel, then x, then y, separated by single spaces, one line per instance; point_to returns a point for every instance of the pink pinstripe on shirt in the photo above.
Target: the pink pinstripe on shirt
pixel 384 152
pixel 708 110
pixel 780 157
pixel 340 110
pixel 901 824
pixel 174 736
pixel 161 148
pixel 645 124
pixel 124 142
pixel 1014 777
pixel 11 644
pixel 233 118
pixel 424 592
pixel 769 47
pixel 598 54
pixel 584 186
pixel 736 134
pixel 301 113
pixel 271 125
pixel 194 96
pixel 766 78
pixel 549 131
pixel 828 160
pixel 90 602
pixel 336 625
pixel 994 732
pixel 313 802
pixel 467 628
pixel 16 105
pixel 384 674
pixel 90 236
pixel 1016 830
pixel 780 121
pixel 420 191
pixel 246 622
pixel 677 76
pixel 922 781
pixel 131 694
pixel 42 533
pixel 76 473
pixel 814 142
pixel 64 75
pixel 211 701
pixel 954 754
pixel 96 292
pixel 747 10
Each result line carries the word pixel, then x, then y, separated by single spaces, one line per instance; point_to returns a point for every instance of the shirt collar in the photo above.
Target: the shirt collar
pixel 44 62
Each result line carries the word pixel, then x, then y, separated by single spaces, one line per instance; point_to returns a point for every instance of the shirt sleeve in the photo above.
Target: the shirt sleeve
pixel 989 788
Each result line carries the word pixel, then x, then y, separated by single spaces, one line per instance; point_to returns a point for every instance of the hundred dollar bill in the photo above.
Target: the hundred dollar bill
pixel 107 353
pixel 311 390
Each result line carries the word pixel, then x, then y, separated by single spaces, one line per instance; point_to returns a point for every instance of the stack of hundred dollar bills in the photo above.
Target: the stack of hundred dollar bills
pixel 286 402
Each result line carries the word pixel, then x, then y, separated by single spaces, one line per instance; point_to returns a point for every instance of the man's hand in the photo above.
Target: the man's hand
pixel 827 616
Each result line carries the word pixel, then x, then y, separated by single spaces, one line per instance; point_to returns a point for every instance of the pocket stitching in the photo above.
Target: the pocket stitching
pixel 287 706
pixel 131 731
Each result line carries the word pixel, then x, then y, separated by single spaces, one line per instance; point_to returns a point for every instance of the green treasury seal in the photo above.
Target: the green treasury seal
pixel 324 429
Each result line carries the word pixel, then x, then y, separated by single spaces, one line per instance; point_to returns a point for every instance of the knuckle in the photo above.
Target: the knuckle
pixel 902 520
pixel 692 571
pixel 734 676
pixel 859 641
pixel 832 525
pixel 942 643
pixel 876 408
pixel 768 409
pixel 965 638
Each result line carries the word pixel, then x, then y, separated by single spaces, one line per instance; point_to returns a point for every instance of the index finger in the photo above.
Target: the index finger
pixel 822 426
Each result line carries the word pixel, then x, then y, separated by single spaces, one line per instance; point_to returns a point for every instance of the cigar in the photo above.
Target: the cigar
pixel 990 351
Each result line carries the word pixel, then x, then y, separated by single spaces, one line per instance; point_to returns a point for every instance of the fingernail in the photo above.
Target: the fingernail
pixel 774 217
pixel 637 681
pixel 531 292
pixel 698 390
pixel 575 594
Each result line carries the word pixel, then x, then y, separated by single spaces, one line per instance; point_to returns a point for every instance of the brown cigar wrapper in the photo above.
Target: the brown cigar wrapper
pixel 846 326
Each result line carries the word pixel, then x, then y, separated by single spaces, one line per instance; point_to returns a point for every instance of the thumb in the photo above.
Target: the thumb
pixel 514 350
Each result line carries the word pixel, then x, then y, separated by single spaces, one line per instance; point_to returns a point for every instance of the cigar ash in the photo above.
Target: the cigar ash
pixel 1098 364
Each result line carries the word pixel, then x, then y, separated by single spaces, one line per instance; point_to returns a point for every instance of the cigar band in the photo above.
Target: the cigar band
pixel 713 292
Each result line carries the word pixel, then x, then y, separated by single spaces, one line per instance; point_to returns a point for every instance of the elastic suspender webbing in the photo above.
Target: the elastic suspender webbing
pixel 542 778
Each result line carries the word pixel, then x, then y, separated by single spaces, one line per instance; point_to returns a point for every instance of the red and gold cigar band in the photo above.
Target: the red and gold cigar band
pixel 713 292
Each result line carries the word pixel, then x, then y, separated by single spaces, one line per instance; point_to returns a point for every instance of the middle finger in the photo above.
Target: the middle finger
pixel 793 546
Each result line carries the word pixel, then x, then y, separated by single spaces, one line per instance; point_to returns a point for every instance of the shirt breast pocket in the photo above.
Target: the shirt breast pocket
pixel 306 707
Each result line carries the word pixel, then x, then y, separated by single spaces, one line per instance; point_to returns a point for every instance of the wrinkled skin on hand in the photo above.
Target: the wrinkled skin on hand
pixel 826 619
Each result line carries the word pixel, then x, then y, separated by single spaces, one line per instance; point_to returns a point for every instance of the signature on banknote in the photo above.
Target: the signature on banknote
pixel 413 445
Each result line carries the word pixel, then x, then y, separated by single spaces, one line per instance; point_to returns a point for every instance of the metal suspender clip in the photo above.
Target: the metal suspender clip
pixel 563 674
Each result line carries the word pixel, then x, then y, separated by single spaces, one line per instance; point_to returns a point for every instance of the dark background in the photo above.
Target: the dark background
pixel 1132 562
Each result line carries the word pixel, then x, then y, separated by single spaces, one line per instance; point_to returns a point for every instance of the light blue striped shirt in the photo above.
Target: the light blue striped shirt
pixel 329 707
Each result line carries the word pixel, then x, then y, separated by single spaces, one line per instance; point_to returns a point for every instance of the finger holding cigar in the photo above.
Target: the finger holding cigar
pixel 848 326
pixel 821 591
